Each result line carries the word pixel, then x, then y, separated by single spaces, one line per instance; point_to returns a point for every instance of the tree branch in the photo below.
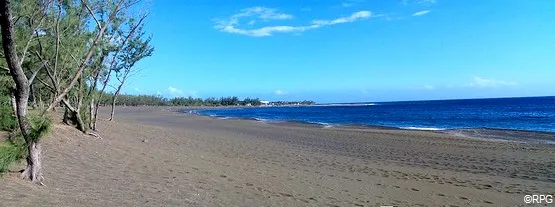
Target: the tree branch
pixel 92 14
pixel 46 84
pixel 32 78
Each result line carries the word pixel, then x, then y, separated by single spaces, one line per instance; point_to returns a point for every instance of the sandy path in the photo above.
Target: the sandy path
pixel 189 160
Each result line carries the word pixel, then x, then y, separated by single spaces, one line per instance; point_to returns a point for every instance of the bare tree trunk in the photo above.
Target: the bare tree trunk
pixel 33 97
pixel 113 107
pixel 14 105
pixel 80 123
pixel 75 116
pixel 66 117
pixel 95 115
pixel 33 171
pixel 115 98
pixel 91 113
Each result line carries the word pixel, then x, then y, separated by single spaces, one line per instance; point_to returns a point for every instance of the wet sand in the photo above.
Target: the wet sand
pixel 151 156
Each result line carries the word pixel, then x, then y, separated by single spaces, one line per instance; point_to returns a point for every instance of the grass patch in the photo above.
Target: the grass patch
pixel 11 152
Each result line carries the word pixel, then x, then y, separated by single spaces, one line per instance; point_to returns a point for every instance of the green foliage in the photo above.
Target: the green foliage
pixel 10 152
pixel 151 100
pixel 280 103
pixel 39 126
pixel 8 121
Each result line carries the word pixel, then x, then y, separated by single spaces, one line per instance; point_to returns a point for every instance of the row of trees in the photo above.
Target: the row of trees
pixel 66 53
pixel 152 100
pixel 287 103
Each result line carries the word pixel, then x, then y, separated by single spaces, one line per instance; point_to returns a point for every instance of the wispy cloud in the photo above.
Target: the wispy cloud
pixel 232 24
pixel 479 82
pixel 420 13
pixel 280 92
pixel 137 90
pixel 345 4
pixel 174 91
pixel 354 17
pixel 428 87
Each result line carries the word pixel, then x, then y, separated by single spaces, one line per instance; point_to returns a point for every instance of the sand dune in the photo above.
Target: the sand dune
pixel 155 157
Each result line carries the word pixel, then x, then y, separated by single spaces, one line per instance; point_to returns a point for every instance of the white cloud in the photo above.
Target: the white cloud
pixel 420 13
pixel 231 24
pixel 428 87
pixel 137 90
pixel 354 17
pixel 346 4
pixel 174 91
pixel 479 82
pixel 280 92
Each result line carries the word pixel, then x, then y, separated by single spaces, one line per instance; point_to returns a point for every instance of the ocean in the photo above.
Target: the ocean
pixel 529 114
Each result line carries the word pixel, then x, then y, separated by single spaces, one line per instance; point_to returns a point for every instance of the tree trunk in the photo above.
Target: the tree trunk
pixel 14 105
pixel 32 97
pixel 80 123
pixel 75 116
pixel 113 107
pixel 91 115
pixel 33 171
pixel 95 114
pixel 66 117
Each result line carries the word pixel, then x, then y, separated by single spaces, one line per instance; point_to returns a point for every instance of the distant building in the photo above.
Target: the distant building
pixel 264 103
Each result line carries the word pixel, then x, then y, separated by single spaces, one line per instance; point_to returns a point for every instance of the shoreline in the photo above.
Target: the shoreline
pixel 486 134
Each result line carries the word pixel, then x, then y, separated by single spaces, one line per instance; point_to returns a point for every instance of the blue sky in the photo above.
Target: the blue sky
pixel 349 50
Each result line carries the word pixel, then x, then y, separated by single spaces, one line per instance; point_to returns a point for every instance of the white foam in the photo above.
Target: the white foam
pixel 324 124
pixel 423 128
pixel 349 104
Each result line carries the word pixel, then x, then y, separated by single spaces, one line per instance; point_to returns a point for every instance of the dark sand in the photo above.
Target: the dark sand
pixel 154 157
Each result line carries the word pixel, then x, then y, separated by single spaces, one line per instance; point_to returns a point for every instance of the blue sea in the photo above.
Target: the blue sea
pixel 530 114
